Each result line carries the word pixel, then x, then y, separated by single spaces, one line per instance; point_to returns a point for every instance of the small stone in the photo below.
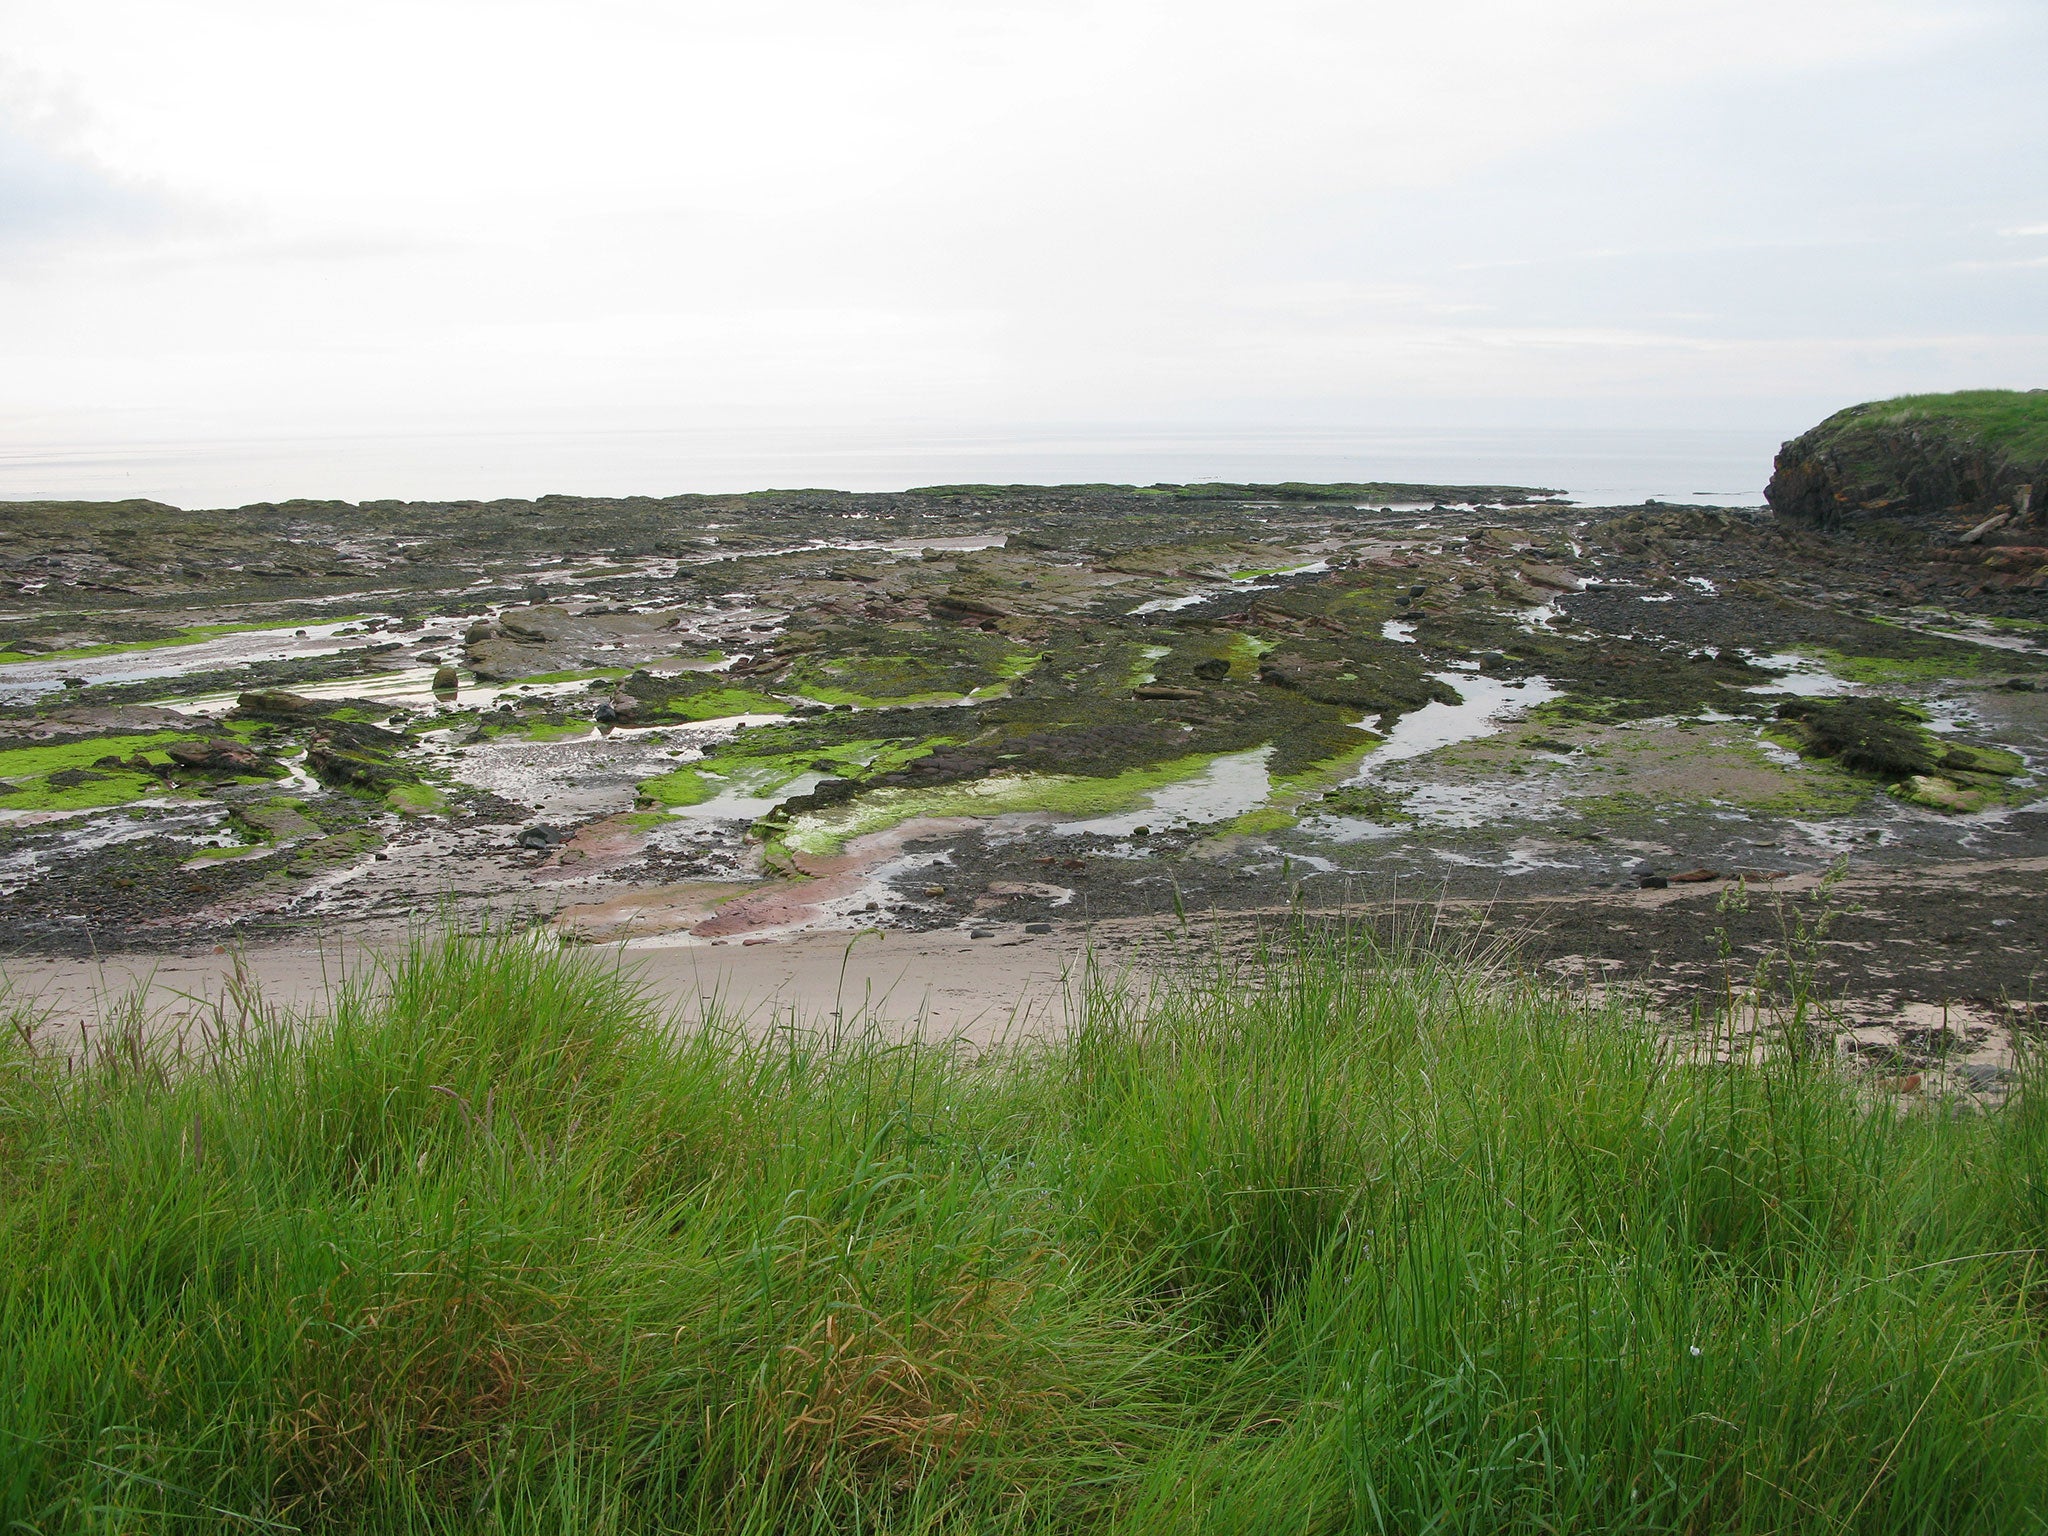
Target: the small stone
pixel 1696 877
pixel 935 890
pixel 981 933
pixel 1038 927
pixel 1652 882
pixel 1141 831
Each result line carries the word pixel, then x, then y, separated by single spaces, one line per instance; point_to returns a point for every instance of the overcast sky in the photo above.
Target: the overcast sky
pixel 246 222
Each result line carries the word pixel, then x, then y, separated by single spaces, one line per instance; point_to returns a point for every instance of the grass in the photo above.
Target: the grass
pixel 1345 1242
pixel 2013 421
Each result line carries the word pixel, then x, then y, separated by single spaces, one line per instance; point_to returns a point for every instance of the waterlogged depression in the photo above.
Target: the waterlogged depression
pixel 699 719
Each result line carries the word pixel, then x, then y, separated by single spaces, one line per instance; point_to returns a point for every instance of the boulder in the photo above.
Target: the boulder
pixel 215 756
pixel 281 821
pixel 334 764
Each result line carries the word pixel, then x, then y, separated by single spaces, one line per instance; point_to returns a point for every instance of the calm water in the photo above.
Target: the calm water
pixel 1598 467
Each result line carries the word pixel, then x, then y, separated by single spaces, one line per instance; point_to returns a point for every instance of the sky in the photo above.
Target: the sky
pixel 356 245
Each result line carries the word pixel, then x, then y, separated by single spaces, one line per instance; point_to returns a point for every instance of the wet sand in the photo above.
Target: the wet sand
pixel 1886 949
pixel 934 984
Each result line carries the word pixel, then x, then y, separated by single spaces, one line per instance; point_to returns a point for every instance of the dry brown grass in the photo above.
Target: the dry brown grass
pixel 426 1375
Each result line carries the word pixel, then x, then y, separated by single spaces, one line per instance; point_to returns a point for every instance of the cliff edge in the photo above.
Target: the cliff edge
pixel 1963 457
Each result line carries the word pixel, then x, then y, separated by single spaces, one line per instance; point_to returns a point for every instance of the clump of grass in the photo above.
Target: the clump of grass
pixel 1348 1240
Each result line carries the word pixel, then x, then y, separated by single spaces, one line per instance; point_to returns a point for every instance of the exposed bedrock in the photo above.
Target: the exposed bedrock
pixel 1967 457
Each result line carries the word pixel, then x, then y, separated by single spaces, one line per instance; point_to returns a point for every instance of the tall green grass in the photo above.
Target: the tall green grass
pixel 1346 1242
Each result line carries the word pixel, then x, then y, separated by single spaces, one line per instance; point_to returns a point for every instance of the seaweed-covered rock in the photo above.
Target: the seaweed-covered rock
pixel 1874 736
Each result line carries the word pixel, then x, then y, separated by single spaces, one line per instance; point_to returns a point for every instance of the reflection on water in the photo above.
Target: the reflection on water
pixel 1803 676
pixel 1230 786
pixel 1594 466
pixel 24 680
pixel 1484 705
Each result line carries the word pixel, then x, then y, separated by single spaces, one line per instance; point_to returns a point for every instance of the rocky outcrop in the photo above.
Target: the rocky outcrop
pixel 1965 457
pixel 530 642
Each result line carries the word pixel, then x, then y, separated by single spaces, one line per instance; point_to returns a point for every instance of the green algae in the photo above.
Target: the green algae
pixel 1314 791
pixel 721 703
pixel 117 787
pixel 578 675
pixel 1883 670
pixel 867 665
pixel 754 766
pixel 281 818
pixel 1066 795
pixel 28 769
pixel 416 800
pixel 555 730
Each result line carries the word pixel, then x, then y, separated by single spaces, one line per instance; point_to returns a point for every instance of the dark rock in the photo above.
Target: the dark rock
pixel 334 764
pixel 965 605
pixel 539 836
pixel 1038 927
pixel 1967 454
pixel 1652 882
pixel 72 778
pixel 215 756
pixel 1211 669
pixel 1865 735
pixel 446 679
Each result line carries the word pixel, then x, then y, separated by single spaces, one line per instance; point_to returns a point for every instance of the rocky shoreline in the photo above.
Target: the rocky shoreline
pixel 712 720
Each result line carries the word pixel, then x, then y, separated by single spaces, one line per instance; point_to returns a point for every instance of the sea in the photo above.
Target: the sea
pixel 1593 467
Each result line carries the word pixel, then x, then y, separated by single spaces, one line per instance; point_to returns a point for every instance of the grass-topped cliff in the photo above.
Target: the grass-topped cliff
pixel 1968 453
pixel 1344 1245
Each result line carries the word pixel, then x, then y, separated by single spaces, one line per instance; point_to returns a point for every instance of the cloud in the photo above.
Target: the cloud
pixel 54 191
pixel 499 214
